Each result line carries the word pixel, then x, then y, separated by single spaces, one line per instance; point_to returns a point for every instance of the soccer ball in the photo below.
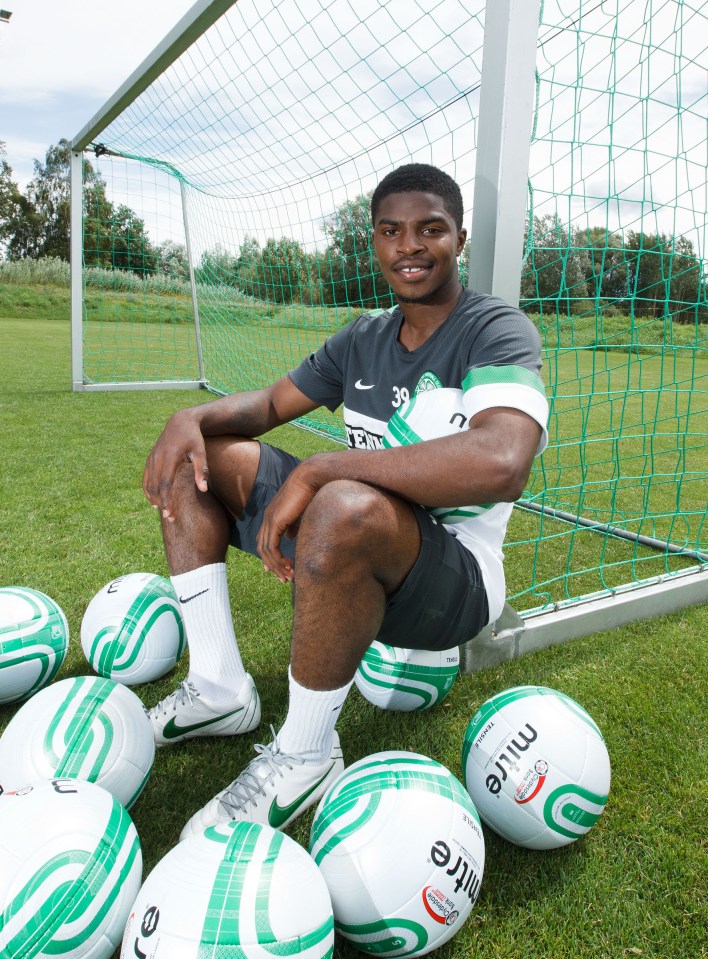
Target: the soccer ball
pixel 536 766
pixel 406 680
pixel 70 867
pixel 132 630
pixel 238 889
pixel 83 728
pixel 400 846
pixel 34 639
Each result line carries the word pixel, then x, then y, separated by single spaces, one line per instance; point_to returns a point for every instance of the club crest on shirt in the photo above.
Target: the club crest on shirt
pixel 428 381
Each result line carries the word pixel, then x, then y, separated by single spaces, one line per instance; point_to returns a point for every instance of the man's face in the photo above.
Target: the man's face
pixel 417 244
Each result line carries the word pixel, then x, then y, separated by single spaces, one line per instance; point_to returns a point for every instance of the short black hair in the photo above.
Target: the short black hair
pixel 426 179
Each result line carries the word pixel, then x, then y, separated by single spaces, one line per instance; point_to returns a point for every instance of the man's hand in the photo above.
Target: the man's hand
pixel 283 514
pixel 181 441
pixel 247 414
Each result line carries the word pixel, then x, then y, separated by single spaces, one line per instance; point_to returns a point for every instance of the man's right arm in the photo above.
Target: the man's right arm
pixel 247 414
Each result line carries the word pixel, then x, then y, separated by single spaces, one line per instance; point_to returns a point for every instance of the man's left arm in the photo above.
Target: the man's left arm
pixel 487 463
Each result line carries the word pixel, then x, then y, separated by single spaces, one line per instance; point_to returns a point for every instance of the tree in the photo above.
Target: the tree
pixel 555 270
pixel 350 274
pixel 249 268
pixel 10 197
pixel 114 236
pixel 98 213
pixel 279 272
pixel 689 284
pixel 172 259
pixel 41 227
pixel 606 265
pixel 665 277
pixel 131 248
pixel 218 266
pixel 464 263
pixel 284 270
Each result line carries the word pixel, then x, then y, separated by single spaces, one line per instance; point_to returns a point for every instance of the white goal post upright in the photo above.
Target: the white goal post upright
pixel 77 283
pixel 506 107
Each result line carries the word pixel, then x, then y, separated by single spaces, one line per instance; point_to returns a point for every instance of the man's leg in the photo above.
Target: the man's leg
pixel 355 548
pixel 356 545
pixel 219 696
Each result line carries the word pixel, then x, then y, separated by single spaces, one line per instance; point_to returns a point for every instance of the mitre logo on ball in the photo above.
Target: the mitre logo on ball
pixel 536 766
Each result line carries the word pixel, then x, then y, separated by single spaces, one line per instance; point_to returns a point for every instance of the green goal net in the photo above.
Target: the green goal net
pixel 225 234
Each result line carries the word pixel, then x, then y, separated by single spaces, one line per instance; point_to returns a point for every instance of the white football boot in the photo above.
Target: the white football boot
pixel 183 715
pixel 273 789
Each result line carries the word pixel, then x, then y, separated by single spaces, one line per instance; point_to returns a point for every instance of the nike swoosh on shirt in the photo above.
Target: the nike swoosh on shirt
pixel 172 730
pixel 278 814
pixel 362 386
pixel 188 599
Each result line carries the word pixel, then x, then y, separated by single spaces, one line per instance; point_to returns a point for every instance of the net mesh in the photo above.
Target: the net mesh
pixel 266 138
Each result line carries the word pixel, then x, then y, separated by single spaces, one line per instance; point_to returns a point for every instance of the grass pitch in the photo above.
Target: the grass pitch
pixel 73 517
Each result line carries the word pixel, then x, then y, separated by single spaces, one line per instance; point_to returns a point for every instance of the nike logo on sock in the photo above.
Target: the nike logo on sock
pixel 188 599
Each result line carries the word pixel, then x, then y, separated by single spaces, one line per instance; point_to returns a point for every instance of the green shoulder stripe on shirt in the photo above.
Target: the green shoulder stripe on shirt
pixel 499 375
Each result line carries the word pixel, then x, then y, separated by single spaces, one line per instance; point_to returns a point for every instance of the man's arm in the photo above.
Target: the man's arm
pixel 247 414
pixel 488 463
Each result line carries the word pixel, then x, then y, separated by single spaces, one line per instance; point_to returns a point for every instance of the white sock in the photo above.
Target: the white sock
pixel 215 665
pixel 308 729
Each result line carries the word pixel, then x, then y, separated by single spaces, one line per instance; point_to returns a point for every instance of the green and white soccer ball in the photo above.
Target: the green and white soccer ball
pixel 239 889
pixel 400 845
pixel 34 639
pixel 70 868
pixel 132 630
pixel 84 728
pixel 406 680
pixel 536 766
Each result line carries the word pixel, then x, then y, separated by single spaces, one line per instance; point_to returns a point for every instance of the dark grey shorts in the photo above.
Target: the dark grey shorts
pixel 442 602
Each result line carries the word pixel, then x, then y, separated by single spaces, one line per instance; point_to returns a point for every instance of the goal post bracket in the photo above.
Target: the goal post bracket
pixel 513 635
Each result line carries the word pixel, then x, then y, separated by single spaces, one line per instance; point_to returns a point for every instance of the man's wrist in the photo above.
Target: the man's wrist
pixel 323 468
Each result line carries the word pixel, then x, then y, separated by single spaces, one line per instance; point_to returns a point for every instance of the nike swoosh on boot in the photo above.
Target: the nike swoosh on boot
pixel 172 730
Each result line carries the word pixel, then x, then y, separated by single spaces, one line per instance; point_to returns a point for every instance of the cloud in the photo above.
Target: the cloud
pixel 61 61
pixel 50 49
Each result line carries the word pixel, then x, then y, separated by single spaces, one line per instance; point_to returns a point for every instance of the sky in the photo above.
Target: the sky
pixel 60 62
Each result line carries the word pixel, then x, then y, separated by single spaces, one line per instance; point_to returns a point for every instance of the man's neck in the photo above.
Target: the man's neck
pixel 421 320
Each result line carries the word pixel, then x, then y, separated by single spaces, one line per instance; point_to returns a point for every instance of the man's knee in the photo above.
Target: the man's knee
pixel 346 510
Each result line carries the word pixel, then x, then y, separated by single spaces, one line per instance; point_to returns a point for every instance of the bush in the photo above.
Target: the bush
pixel 46 271
pixel 53 271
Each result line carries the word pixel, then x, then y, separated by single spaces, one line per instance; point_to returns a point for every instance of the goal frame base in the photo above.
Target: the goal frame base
pixel 513 635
